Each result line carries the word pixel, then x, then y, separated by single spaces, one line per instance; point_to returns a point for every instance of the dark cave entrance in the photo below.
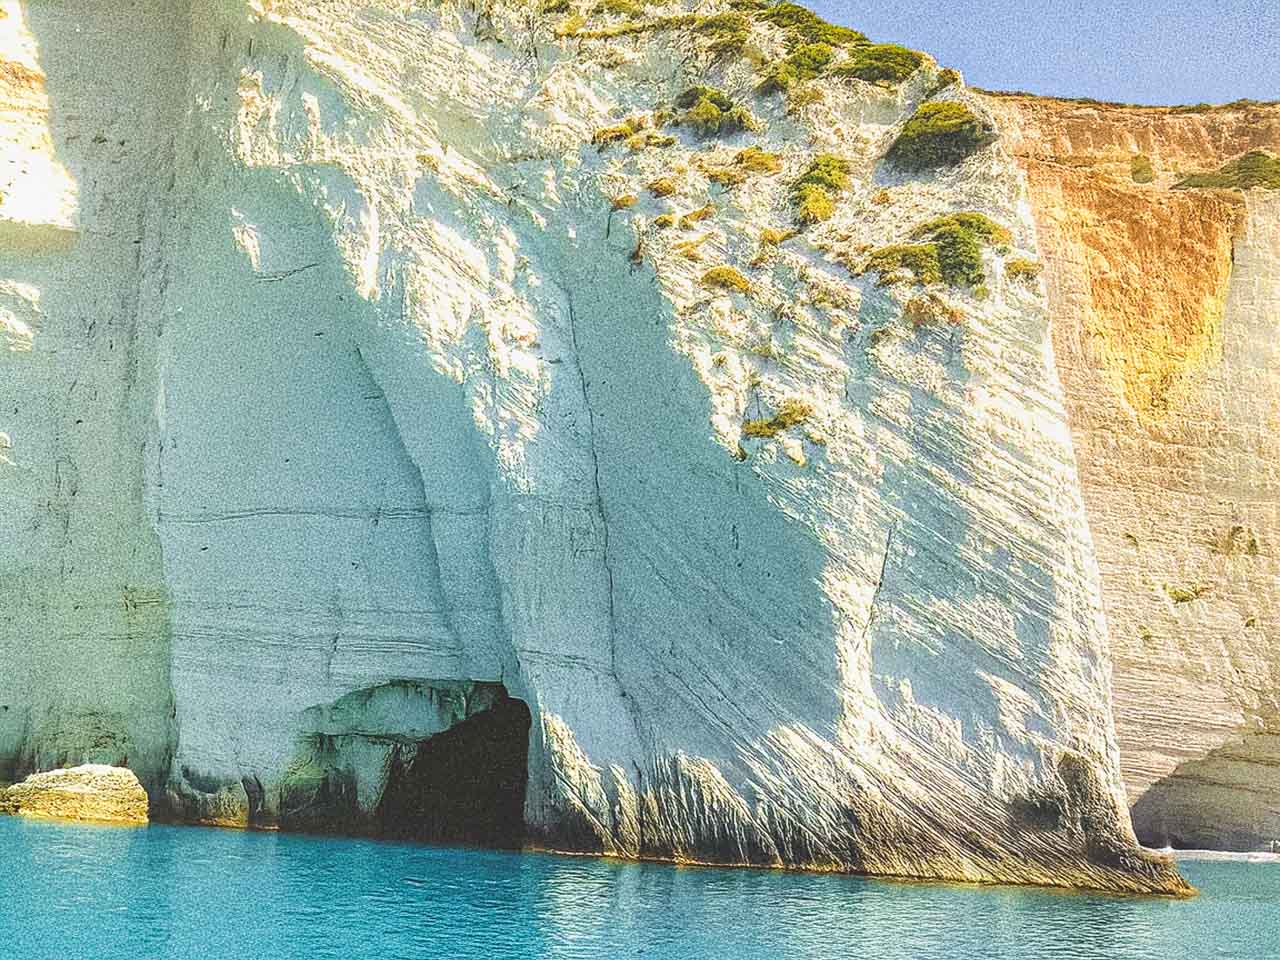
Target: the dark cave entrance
pixel 465 785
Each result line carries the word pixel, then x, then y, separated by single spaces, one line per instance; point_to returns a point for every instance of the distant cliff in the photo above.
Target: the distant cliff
pixel 1160 230
pixel 624 428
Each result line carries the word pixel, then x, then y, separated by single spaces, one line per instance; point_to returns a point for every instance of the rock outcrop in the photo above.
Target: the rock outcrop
pixel 92 793
pixel 396 385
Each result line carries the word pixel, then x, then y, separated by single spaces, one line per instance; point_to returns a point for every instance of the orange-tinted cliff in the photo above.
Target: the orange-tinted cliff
pixel 1166 313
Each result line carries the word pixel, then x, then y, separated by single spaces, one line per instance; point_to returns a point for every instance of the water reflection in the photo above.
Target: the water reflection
pixel 162 892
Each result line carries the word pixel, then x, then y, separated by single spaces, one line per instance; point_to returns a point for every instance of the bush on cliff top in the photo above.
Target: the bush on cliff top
pixel 802 26
pixel 1256 168
pixel 880 63
pixel 939 135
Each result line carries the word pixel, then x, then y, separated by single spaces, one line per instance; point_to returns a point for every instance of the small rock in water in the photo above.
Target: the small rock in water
pixel 92 792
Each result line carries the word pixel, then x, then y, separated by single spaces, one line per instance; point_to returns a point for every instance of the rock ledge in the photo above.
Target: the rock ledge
pixel 93 792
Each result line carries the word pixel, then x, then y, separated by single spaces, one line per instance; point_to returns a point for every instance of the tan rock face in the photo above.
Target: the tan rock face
pixel 92 792
pixel 1165 310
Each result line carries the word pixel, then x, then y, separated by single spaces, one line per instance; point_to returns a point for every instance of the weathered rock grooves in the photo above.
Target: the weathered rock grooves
pixel 358 400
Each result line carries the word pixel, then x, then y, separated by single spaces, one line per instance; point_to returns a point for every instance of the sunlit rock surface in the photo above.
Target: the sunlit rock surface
pixel 1166 331
pixel 92 792
pixel 355 392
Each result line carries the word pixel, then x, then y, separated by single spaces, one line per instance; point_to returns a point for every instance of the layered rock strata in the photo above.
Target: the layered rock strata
pixel 1166 306
pixel 377 367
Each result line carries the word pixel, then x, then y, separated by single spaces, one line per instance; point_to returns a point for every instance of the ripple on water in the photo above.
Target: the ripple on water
pixel 69 892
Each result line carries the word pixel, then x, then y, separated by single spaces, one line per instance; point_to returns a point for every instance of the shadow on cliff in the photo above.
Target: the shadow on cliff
pixel 1224 800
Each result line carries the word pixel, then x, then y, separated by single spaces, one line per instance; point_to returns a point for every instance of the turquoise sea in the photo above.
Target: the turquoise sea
pixel 98 893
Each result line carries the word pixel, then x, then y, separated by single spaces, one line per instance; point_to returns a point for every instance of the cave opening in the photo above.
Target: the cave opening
pixel 465 785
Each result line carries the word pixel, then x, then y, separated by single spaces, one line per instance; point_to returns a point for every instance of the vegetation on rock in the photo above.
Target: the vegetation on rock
pixel 1185 594
pixel 1020 268
pixel 894 262
pixel 880 63
pixel 802 26
pixel 663 187
pixel 939 135
pixel 619 132
pixel 979 225
pixel 621 8
pixel 951 251
pixel 710 113
pixel 928 309
pixel 806 62
pixel 729 33
pixel 1140 169
pixel 755 160
pixel 815 193
pixel 1257 168
pixel 726 278
pixel 791 413
pixel 697 216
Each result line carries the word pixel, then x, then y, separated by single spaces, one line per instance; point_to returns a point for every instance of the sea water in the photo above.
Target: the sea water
pixel 100 893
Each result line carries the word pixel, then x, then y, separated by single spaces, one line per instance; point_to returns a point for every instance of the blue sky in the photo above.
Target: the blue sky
pixel 1140 52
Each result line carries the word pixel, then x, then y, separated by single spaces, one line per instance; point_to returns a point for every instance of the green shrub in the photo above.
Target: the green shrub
pixel 1185 594
pixel 1256 168
pixel 755 160
pixel 571 26
pixel 726 176
pixel 938 135
pixel 946 77
pixel 771 237
pixel 880 63
pixel 918 259
pixel 1020 268
pixel 813 205
pixel 729 33
pixel 1140 169
pixel 622 131
pixel 554 6
pixel 978 224
pixel 621 8
pixel 664 221
pixel 624 202
pixel 814 194
pixel 791 413
pixel 710 113
pixel 726 278
pixel 804 63
pixel 959 238
pixel 663 187
pixel 802 26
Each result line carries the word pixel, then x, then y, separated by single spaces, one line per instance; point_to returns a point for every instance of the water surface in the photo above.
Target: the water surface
pixel 71 892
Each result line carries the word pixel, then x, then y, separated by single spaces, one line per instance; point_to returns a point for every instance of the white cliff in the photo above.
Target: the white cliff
pixel 356 384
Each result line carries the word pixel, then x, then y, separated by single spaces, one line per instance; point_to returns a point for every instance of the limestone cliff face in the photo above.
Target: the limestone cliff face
pixel 1166 331
pixel 407 387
